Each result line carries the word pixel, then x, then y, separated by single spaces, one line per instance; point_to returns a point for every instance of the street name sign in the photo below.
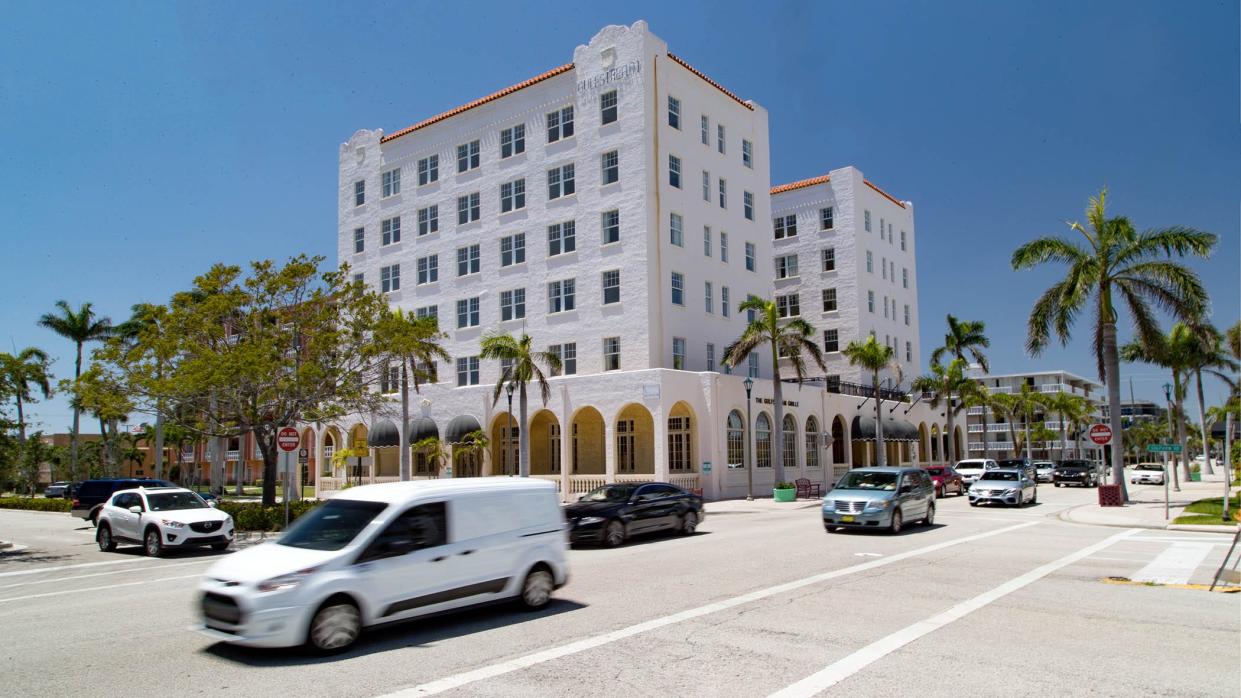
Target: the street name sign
pixel 1163 448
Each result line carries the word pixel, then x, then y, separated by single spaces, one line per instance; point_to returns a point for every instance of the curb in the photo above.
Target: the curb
pixel 1066 517
pixel 1206 528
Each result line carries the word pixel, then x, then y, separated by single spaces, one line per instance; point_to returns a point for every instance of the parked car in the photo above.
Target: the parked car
pixel 1011 486
pixel 160 519
pixel 57 490
pixel 92 494
pixel 880 498
pixel 1043 470
pixel 973 468
pixel 946 480
pixel 390 552
pixel 1147 474
pixel 611 514
pixel 1076 472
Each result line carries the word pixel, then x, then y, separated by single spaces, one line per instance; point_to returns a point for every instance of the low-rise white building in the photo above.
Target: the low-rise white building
pixel 993 435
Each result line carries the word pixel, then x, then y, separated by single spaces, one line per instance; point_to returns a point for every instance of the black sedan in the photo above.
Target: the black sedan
pixel 1075 472
pixel 612 513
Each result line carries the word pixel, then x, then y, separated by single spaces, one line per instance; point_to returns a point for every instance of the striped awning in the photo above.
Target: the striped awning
pixel 383 434
pixel 863 429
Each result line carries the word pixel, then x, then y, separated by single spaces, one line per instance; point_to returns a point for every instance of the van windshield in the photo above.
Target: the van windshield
pixel 867 481
pixel 331 525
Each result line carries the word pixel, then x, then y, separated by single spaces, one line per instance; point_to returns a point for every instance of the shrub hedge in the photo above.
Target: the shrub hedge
pixel 253 516
pixel 36 504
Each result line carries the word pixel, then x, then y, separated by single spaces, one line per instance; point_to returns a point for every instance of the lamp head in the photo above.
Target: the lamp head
pixel 748 383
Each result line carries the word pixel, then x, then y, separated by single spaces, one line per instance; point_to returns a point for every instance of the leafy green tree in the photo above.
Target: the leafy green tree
pixel 473 445
pixel 520 364
pixel 34 453
pixel 1208 356
pixel 146 317
pixel 1116 260
pixel 964 337
pixel 432 451
pixel 412 343
pixel 790 339
pixel 875 357
pixel 29 368
pixel 944 382
pixel 100 393
pixel 80 327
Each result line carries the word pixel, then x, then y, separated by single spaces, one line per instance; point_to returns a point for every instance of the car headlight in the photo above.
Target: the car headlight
pixel 1013 490
pixel 286 581
pixel 172 524
pixel 590 520
pixel 829 505
pixel 879 504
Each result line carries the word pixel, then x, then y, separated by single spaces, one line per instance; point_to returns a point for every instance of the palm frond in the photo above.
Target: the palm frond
pixel 1047 249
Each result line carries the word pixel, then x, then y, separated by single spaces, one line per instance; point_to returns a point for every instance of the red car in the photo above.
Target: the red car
pixel 946 480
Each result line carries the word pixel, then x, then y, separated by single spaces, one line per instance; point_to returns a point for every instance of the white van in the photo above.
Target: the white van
pixel 973 468
pixel 390 552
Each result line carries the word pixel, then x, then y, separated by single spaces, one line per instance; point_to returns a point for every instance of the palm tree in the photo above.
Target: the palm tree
pixel 875 357
pixel 979 396
pixel 964 337
pixel 473 445
pixel 432 450
pixel 1174 352
pixel 1005 405
pixel 1210 357
pixel 520 365
pixel 413 342
pixel 1067 407
pixel 1026 402
pixel 31 365
pixel 1116 259
pixel 943 382
pixel 78 327
pixel 788 338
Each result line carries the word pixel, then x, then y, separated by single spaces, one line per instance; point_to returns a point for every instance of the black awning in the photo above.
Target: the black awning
pixel 459 427
pixel 383 434
pixel 863 429
pixel 1217 429
pixel 422 428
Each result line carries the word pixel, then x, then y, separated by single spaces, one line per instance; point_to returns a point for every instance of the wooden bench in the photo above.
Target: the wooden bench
pixel 806 488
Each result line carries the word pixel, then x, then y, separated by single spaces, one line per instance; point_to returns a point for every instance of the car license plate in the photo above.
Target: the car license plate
pixel 846 519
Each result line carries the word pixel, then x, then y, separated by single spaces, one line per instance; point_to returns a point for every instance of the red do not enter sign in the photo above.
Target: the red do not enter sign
pixel 1101 434
pixel 288 439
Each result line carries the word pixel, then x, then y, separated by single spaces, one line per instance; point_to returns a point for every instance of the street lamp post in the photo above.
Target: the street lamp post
pixel 749 467
pixel 509 441
pixel 1167 394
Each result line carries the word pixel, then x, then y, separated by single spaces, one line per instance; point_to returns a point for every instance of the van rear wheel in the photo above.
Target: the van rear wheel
pixel 536 590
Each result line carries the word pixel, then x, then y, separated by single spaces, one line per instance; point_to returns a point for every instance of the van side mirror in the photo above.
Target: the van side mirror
pixel 906 489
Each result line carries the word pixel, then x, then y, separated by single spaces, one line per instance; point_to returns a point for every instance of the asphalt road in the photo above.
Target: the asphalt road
pixel 761 602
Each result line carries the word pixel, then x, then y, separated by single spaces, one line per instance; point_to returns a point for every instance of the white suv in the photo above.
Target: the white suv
pixel 159 518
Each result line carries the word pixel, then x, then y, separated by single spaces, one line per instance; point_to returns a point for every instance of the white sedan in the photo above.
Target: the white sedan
pixel 1147 474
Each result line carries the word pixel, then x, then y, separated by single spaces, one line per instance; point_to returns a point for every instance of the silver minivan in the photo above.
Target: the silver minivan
pixel 880 498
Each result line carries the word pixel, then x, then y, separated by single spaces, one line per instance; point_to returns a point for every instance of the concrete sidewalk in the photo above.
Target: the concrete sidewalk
pixel 1146 511
pixel 761 505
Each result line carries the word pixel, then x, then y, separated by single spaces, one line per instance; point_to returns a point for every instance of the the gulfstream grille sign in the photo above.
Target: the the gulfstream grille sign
pixel 611 76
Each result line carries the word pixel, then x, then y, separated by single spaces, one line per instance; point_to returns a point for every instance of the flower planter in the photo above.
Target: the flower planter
pixel 788 495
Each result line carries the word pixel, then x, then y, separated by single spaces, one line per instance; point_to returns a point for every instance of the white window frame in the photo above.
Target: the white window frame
pixel 677 288
pixel 609 225
pixel 561 238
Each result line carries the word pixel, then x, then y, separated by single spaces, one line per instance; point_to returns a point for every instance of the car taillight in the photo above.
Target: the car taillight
pixel 77 502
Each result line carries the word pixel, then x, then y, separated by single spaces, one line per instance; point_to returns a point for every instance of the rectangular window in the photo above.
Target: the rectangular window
pixel 607 107
pixel 567 353
pixel 829 259
pixel 390 380
pixel 392 182
pixel 906 313
pixel 883 267
pixel 723 246
pixel 513 304
pixel 706 186
pixel 870 301
pixel 829 299
pixel 708 296
pixel 427 311
pixel 784 226
pixel 611 286
pixel 561 238
pixel 428 269
pixel 870 262
pixel 788 306
pixel 885 307
pixel 467 313
pixel 359 192
pixel 468 209
pixel 359 277
pixel 390 231
pixel 678 288
pixel 866 220
pixel 747 204
pixel 467 260
pixel 747 154
pixel 706 240
pixel 786 266
pixel 749 256
pixel 710 356
pixel 467 156
pixel 750 315
pixel 753 364
pixel 909 354
pixel 512 250
pixel 706 130
pixel 428 220
pixel 611 226
pixel 390 278
pixel 611 167
pixel 674 112
pixel 674 171
pixel 676 229
pixel 560 181
pixel 678 353
pixel 904 277
pixel 719 138
pixel 359 240
pixel 881 228
pixel 611 353
pixel 428 170
pixel 724 310
pixel 559 124
pixel 831 340
pixel 467 371
pixel 561 296
pixel 902 241
pixel 513 195
pixel 826 218
pixel 513 141
pixel 723 193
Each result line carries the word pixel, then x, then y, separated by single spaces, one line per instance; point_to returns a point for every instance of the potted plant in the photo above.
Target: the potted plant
pixel 784 492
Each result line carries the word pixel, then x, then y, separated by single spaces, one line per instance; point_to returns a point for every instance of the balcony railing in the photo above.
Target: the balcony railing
pixel 840 387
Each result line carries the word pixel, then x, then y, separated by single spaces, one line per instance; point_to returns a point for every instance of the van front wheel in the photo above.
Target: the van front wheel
pixel 536 591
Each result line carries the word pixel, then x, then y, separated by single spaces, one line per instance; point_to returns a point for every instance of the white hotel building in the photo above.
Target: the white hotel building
pixel 617 209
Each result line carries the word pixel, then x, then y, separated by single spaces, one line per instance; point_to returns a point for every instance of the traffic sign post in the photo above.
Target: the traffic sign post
pixel 288 440
pixel 1100 434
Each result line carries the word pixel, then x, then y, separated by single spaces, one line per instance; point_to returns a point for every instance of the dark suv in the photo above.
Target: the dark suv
pixel 1076 472
pixel 92 494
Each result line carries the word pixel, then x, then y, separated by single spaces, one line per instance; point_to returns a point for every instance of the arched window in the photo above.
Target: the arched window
pixel 762 441
pixel 736 440
pixel 329 449
pixel 789 455
pixel 838 440
pixel 680 453
pixel 812 442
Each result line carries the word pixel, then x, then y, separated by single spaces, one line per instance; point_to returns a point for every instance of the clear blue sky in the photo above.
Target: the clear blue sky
pixel 141 142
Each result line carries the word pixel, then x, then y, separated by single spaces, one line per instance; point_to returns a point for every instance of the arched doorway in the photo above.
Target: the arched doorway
pixel 788 446
pixel 681 427
pixel 505 444
pixel 839 441
pixel 924 443
pixel 735 437
pixel 635 441
pixel 544 443
pixel 331 441
pixel 310 468
pixel 812 442
pixel 935 443
pixel 587 450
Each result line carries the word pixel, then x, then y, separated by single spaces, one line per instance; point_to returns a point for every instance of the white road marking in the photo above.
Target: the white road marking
pixel 850 665
pixel 94 589
pixel 487 672
pixel 41 570
pixel 105 574
pixel 1187 539
pixel 1175 565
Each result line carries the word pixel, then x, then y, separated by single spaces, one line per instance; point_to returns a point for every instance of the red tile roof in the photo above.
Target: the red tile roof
pixel 479 102
pixel 883 193
pixel 801 184
pixel 711 82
